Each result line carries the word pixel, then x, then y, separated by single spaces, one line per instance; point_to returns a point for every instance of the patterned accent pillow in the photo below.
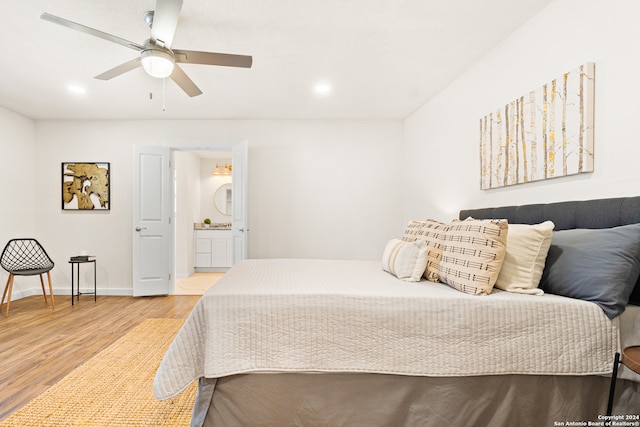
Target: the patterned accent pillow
pixel 405 260
pixel 432 233
pixel 472 255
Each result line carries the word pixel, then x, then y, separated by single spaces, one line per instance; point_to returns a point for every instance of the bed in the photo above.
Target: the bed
pixel 299 342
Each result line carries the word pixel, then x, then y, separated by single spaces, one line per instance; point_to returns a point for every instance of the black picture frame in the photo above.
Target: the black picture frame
pixel 86 186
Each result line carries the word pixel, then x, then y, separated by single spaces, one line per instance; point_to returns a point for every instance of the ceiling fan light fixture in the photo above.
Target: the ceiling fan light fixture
pixel 157 63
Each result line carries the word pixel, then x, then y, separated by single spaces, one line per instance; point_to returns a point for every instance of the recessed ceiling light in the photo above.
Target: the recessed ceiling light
pixel 76 89
pixel 322 88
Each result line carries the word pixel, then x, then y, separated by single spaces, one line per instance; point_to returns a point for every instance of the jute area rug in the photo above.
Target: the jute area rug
pixel 114 388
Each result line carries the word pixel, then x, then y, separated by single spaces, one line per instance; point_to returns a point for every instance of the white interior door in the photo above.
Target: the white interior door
pixel 239 224
pixel 152 248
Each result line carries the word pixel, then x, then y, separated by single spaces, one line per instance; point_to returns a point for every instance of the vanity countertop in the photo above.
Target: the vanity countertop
pixel 201 226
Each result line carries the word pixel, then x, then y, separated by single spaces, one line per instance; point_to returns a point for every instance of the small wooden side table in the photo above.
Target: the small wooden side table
pixel 631 359
pixel 76 273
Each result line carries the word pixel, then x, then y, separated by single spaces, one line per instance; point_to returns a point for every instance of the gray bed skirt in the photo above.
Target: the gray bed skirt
pixel 373 400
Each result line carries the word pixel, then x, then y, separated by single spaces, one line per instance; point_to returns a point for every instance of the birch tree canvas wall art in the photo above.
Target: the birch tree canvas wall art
pixel 546 133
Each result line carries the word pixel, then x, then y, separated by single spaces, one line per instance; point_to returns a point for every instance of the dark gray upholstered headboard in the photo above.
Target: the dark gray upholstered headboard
pixel 598 213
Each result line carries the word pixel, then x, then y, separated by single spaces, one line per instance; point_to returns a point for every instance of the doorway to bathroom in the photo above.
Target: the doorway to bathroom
pixel 159 214
pixel 203 219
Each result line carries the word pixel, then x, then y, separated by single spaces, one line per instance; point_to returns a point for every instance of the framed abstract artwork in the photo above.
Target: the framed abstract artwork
pixel 544 134
pixel 85 186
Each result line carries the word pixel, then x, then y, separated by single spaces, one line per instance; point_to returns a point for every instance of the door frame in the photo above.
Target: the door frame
pixel 189 147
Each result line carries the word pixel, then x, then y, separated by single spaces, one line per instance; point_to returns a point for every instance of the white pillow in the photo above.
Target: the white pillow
pixel 527 248
pixel 405 260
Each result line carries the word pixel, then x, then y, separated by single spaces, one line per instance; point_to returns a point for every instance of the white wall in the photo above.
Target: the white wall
pixel 20 190
pixel 316 189
pixel 441 146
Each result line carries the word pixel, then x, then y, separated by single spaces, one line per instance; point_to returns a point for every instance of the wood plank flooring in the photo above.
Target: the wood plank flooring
pixel 39 346
pixel 197 283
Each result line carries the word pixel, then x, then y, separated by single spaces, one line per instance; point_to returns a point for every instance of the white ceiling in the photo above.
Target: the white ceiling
pixel 383 58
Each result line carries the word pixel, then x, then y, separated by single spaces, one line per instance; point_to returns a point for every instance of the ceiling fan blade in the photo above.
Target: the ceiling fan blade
pixel 88 30
pixel 212 58
pixel 185 83
pixel 165 21
pixel 120 69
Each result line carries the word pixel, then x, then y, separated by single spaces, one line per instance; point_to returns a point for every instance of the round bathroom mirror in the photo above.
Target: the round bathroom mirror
pixel 222 199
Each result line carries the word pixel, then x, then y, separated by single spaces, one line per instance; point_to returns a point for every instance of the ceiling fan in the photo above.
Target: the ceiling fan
pixel 156 56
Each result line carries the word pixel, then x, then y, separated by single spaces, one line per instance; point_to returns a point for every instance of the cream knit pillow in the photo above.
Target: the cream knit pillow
pixel 527 248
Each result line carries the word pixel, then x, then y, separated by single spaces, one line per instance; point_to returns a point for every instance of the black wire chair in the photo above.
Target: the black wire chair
pixel 25 257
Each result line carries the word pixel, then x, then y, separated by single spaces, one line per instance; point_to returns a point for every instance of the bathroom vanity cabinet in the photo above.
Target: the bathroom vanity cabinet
pixel 213 248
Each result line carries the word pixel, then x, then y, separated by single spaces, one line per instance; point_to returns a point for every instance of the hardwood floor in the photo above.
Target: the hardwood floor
pixel 39 346
pixel 197 283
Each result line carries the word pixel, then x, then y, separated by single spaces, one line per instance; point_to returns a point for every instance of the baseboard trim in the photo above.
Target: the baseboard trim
pixel 212 269
pixel 118 292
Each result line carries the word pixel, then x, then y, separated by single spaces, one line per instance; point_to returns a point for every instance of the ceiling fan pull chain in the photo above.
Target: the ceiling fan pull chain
pixel 163 107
